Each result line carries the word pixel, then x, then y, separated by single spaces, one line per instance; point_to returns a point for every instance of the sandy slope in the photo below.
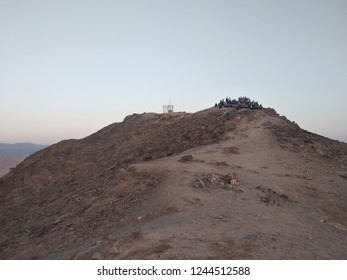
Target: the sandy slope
pixel 260 189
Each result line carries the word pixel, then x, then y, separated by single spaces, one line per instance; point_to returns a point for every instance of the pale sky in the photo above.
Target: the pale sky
pixel 69 68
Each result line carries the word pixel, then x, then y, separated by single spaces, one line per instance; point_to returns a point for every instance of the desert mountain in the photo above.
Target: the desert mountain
pixel 216 184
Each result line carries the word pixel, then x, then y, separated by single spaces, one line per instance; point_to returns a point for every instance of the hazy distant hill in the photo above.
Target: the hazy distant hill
pixel 19 150
pixel 12 154
pixel 215 184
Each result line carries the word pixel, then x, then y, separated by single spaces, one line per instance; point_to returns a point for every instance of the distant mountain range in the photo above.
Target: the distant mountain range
pixel 13 154
pixel 19 149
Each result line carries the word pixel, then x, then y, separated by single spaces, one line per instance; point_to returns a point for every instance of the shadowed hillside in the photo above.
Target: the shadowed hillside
pixel 216 184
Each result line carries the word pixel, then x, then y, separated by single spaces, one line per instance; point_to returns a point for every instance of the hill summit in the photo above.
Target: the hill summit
pixel 222 183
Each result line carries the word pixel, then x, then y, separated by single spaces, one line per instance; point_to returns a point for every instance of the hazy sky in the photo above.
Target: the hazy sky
pixel 69 68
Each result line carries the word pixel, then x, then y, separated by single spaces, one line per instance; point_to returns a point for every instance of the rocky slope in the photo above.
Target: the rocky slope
pixel 216 184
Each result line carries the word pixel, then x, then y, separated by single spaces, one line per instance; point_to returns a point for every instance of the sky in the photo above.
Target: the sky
pixel 69 68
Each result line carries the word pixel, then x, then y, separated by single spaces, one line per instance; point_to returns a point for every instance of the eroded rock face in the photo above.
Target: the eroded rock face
pixel 126 192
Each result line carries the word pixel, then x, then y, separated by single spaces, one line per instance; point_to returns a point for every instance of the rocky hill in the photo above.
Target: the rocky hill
pixel 216 184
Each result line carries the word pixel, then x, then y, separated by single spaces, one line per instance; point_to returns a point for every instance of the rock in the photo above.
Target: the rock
pixel 231 150
pixel 222 163
pixel 269 200
pixel 214 179
pixel 186 159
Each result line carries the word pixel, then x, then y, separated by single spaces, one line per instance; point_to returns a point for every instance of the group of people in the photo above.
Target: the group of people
pixel 242 102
